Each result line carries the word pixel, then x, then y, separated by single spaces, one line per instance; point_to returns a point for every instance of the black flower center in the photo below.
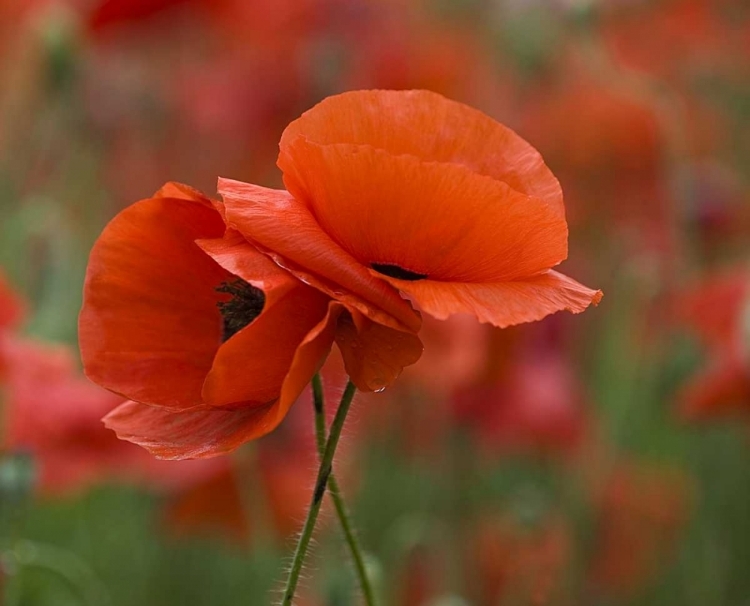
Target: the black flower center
pixel 394 271
pixel 244 305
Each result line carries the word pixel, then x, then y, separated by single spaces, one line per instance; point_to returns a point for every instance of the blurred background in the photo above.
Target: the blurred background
pixel 599 459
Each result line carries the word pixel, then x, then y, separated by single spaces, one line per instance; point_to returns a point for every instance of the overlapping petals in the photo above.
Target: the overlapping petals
pixel 153 329
pixel 435 198
pixel 211 317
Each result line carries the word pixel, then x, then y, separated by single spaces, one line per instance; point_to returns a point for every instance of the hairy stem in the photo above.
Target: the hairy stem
pixel 321 483
pixel 338 499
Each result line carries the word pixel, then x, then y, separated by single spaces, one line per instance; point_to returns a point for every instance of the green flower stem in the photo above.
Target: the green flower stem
pixel 321 483
pixel 337 497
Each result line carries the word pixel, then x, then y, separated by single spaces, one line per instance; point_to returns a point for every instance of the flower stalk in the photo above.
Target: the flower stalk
pixel 336 496
pixel 321 484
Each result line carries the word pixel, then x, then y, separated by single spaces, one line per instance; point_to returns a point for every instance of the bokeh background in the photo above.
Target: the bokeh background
pixel 599 459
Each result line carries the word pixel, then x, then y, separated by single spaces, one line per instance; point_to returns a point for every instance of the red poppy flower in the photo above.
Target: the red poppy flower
pixel 210 503
pixel 53 412
pixel 12 310
pixel 11 306
pixel 520 564
pixel 406 192
pixel 642 511
pixel 717 312
pixel 210 339
pixel 537 407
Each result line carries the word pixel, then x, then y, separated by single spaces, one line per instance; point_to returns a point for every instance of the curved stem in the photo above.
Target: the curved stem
pixel 337 497
pixel 321 483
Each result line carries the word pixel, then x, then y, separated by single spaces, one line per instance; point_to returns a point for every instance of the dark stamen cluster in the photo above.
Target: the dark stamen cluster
pixel 394 271
pixel 243 307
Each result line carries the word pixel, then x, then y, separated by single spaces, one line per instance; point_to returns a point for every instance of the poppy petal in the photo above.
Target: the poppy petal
pixel 273 220
pixel 426 125
pixel 252 365
pixel 201 433
pixel 308 360
pixel 189 434
pixel 435 219
pixel 501 303
pixel 238 256
pixel 180 191
pixel 149 326
pixel 374 355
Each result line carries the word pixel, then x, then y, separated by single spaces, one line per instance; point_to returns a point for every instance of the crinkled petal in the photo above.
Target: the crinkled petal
pixel 149 327
pixel 501 303
pixel 435 219
pixel 429 126
pixel 201 433
pixel 374 355
pixel 189 434
pixel 285 229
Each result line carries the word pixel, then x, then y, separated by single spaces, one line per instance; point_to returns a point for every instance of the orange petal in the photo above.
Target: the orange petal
pixel 308 359
pixel 149 326
pixel 204 433
pixel 190 434
pixel 180 191
pixel 429 126
pixel 501 303
pixel 374 355
pixel 285 229
pixel 238 256
pixel 252 365
pixel 440 220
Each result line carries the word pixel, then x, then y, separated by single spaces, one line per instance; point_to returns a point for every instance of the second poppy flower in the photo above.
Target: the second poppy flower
pixel 408 192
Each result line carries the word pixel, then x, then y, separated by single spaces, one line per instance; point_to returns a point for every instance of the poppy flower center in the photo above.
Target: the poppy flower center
pixel 394 271
pixel 244 305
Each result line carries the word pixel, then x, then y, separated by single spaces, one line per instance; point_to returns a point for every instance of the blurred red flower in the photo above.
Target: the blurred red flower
pixel 12 307
pixel 536 406
pixel 516 563
pixel 54 413
pixel 212 504
pixel 641 512
pixel 673 39
pixel 110 12
pixel 717 311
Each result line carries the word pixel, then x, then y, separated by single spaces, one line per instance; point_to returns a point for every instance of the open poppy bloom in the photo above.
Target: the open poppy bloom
pixel 210 340
pixel 407 192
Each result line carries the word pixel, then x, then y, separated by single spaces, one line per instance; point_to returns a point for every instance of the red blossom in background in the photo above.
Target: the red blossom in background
pixel 516 563
pixel 642 511
pixel 716 310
